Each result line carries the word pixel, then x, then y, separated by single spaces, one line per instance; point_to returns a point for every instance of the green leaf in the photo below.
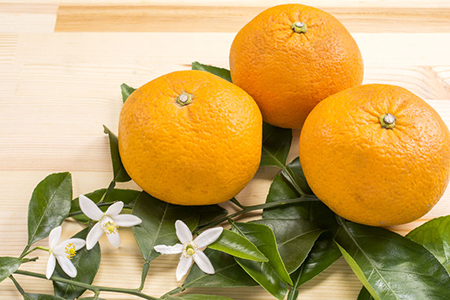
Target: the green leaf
pixel 238 246
pixel 227 273
pixel 8 265
pixel 49 205
pixel 391 266
pixel 158 223
pixel 295 238
pixel 126 196
pixel 275 146
pixel 87 264
pixel 323 254
pixel 197 297
pixel 434 235
pixel 126 91
pixel 222 73
pixel 271 275
pixel 294 175
pixel 364 295
pixel 120 174
pixel 209 213
pixel 28 296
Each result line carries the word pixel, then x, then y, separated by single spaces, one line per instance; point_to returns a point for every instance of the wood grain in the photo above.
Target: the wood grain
pixel 185 18
pixel 61 65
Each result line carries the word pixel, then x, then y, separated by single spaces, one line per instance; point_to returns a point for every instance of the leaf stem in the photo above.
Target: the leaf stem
pixel 32 250
pixel 109 189
pixel 145 268
pixel 173 292
pixel 237 203
pixel 94 288
pixel 247 209
pixel 18 287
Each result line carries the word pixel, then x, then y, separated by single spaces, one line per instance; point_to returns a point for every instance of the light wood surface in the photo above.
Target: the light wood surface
pixel 61 66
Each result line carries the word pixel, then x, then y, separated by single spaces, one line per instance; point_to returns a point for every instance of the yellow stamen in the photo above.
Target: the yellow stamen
pixel 70 251
pixel 190 250
pixel 110 227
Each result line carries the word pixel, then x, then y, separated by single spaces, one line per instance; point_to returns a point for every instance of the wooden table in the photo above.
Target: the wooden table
pixel 61 66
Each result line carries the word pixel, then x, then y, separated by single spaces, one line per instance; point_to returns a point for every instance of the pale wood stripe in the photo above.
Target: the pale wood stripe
pixel 22 17
pixel 8 47
pixel 159 18
pixel 248 3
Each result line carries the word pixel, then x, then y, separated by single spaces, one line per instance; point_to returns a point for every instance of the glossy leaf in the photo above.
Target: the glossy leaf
pixel 197 297
pixel 222 73
pixel 323 254
pixel 209 213
pixel 238 246
pixel 275 146
pixel 294 175
pixel 87 264
pixel 49 205
pixel 128 197
pixel 28 296
pixel 271 275
pixel 158 223
pixel 391 266
pixel 227 273
pixel 295 238
pixel 364 295
pixel 8 265
pixel 120 174
pixel 126 91
pixel 434 235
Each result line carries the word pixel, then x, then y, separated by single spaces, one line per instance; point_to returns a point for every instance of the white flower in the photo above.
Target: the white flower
pixel 63 252
pixel 189 248
pixel 108 222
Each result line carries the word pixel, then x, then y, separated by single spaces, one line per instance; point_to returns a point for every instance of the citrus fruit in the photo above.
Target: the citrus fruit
pixel 376 154
pixel 290 57
pixel 190 138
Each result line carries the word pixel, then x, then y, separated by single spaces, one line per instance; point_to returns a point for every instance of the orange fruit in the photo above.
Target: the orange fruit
pixel 190 138
pixel 376 154
pixel 290 57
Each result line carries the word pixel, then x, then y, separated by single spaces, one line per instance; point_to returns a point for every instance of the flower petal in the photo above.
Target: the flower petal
pixel 208 237
pixel 203 262
pixel 54 237
pixel 114 238
pixel 183 266
pixel 94 235
pixel 51 264
pixel 114 209
pixel 89 208
pixel 127 220
pixel 60 249
pixel 183 232
pixel 163 249
pixel 67 266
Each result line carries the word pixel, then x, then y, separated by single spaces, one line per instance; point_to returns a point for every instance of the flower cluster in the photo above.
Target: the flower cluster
pixel 108 223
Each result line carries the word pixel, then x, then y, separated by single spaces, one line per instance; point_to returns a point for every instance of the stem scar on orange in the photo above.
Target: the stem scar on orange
pixel 190 138
pixel 376 154
pixel 290 57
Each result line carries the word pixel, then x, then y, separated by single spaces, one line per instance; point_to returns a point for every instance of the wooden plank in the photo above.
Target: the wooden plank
pixel 248 3
pixel 22 17
pixel 156 18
